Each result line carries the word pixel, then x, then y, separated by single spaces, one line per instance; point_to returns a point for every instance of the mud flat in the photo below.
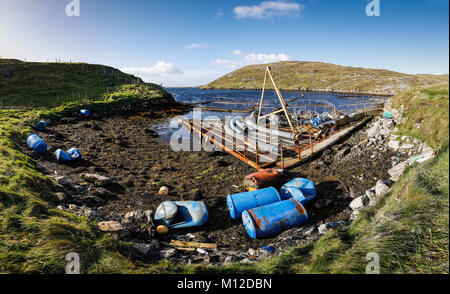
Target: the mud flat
pixel 124 148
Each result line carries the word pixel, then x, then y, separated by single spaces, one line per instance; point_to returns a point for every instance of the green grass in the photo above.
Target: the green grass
pixel 318 76
pixel 429 108
pixel 40 84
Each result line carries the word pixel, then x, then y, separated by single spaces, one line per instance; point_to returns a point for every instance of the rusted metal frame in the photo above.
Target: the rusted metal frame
pixel 213 130
pixel 225 148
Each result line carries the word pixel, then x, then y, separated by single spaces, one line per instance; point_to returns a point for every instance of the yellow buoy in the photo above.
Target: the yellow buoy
pixel 162 230
pixel 164 190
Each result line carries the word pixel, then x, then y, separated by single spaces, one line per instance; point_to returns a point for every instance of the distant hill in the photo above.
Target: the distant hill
pixel 51 84
pixel 325 77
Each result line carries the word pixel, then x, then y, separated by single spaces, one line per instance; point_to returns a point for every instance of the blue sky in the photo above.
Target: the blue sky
pixel 192 42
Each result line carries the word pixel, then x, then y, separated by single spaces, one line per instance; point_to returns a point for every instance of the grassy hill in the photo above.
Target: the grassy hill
pixel 318 76
pixel 52 84
pixel 34 235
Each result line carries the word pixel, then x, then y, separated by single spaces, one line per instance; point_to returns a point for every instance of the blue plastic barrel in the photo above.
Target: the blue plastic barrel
pixel 237 203
pixel 62 156
pixel 37 144
pixel 194 214
pixel 269 220
pixel 41 126
pixel 85 112
pixel 74 153
pixel 298 186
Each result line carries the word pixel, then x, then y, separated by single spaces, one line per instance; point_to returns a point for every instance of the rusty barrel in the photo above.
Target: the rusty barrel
pixel 269 220
pixel 262 179
pixel 237 203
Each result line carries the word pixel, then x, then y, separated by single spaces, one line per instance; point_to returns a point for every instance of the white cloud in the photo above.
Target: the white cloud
pixel 268 9
pixel 167 74
pixel 197 46
pixel 161 68
pixel 251 58
pixel 238 53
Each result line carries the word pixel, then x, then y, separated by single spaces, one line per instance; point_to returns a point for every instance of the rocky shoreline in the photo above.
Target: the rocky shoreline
pixel 114 187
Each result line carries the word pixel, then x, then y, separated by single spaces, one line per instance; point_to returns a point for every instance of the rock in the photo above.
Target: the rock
pixel 139 221
pixel 142 247
pixel 406 146
pixel 228 260
pixel 89 213
pixel 96 179
pixel 374 130
pixel 360 203
pixel 113 227
pixel 342 153
pixel 397 171
pixel 393 144
pixel 98 191
pixel 251 252
pixel 93 201
pixel 61 196
pixel 310 231
pixel 63 181
pixel 326 228
pixel 381 188
pixel 167 252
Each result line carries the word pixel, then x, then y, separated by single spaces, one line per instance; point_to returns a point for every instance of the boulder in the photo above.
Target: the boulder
pixel 360 203
pixel 96 179
pixel 112 227
pixel 381 188
pixel 374 130
pixel 397 171
pixel 394 144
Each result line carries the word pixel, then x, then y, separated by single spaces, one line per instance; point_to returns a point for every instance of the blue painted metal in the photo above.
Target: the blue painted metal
pixel 269 249
pixel 41 126
pixel 238 203
pixel 303 190
pixel 316 122
pixel 37 144
pixel 62 156
pixel 195 214
pixel 166 212
pixel 269 220
pixel 85 112
pixel 74 153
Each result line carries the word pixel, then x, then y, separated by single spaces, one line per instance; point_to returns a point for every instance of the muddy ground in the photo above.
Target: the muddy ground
pixel 123 148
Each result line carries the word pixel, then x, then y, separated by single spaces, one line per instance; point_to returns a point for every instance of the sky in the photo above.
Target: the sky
pixel 192 42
